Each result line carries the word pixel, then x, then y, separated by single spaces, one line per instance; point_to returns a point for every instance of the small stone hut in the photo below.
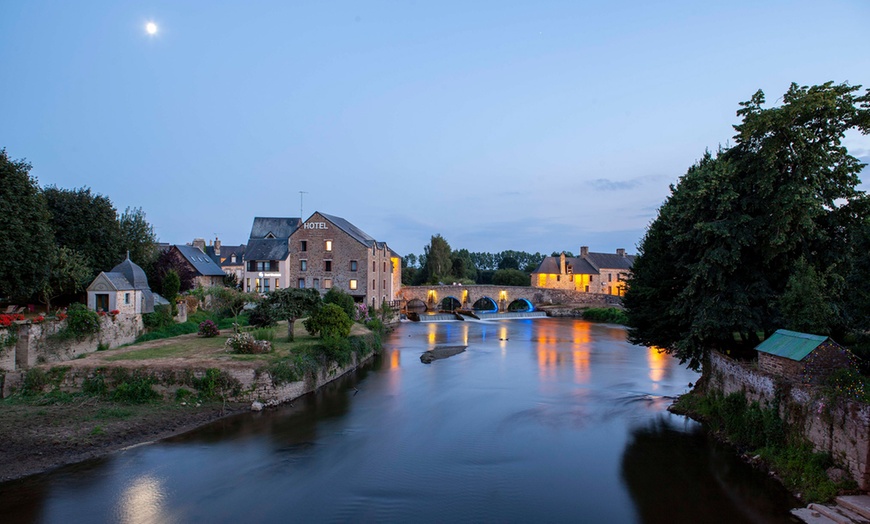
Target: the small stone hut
pixel 124 288
pixel 802 357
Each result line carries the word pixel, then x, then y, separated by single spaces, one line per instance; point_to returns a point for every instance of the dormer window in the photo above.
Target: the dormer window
pixel 233 259
pixel 270 235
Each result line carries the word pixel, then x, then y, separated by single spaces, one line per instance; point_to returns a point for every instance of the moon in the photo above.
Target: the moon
pixel 151 28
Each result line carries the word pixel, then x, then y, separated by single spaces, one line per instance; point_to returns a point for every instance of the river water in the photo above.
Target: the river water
pixel 544 420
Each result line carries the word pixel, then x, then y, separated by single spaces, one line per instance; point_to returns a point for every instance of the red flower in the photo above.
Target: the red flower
pixel 114 312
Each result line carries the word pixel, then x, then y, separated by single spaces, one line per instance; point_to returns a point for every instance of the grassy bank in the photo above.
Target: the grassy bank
pixel 609 315
pixel 760 433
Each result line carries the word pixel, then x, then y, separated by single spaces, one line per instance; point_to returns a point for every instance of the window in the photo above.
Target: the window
pixel 327 265
pixel 373 284
pixel 374 266
pixel 233 259
pixel 327 283
pixel 301 284
pixel 385 267
pixel 327 245
pixel 303 245
pixel 247 284
pixel 353 265
pixel 265 285
pixel 353 283
pixel 257 284
pixel 385 285
pixel 610 277
pixel 558 278
pixel 277 286
pixel 303 265
pixel 316 283
pixel 126 298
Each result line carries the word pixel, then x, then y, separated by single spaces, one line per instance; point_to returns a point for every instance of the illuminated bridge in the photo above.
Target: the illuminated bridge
pixel 496 298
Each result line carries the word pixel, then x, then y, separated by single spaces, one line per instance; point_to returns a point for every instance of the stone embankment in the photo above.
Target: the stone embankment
pixel 850 509
pixel 838 426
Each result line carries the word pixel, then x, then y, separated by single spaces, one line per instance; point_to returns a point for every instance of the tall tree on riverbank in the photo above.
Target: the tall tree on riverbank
pixel 715 263
pixel 26 239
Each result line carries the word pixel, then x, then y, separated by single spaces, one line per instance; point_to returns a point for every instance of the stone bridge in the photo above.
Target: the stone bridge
pixel 502 298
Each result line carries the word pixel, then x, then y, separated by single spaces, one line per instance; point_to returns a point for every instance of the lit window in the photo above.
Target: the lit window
pixel 327 265
pixel 303 265
pixel 327 283
pixel 276 284
pixel 353 265
pixel 301 283
pixel 328 245
pixel 353 283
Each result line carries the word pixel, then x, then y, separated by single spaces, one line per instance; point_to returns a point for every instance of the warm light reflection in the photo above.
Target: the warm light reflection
pixel 503 338
pixel 433 331
pixel 465 334
pixel 394 359
pixel 658 364
pixel 142 502
pixel 550 357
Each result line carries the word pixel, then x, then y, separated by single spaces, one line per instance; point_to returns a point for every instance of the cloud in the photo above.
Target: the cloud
pixel 606 184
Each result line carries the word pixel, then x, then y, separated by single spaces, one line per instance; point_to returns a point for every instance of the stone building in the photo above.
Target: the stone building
pixel 231 259
pixel 323 252
pixel 206 272
pixel 603 273
pixel 124 288
pixel 802 357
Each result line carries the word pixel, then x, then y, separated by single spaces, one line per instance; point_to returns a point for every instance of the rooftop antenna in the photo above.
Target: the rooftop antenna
pixel 301 194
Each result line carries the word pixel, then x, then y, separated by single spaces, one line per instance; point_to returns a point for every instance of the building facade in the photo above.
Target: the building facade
pixel 322 252
pixel 124 289
pixel 603 273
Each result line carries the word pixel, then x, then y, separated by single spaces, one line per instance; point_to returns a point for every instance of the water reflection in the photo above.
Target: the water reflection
pixel 141 502
pixel 538 420
pixel 675 474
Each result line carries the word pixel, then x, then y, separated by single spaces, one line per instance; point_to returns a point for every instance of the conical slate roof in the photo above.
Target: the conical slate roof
pixel 133 273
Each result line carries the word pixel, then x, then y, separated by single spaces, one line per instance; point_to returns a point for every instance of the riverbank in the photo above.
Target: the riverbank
pixel 170 386
pixel 44 433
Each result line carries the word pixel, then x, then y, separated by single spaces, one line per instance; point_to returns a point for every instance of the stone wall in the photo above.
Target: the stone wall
pixel 841 428
pixel 40 343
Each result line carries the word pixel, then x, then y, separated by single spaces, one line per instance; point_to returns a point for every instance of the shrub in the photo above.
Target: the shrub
pixel 342 300
pixel 208 329
pixel 81 321
pixel 246 344
pixel 264 334
pixel 610 315
pixel 35 381
pixel 161 317
pixel 216 384
pixel 336 349
pixel 135 390
pixel 263 315
pixel 329 320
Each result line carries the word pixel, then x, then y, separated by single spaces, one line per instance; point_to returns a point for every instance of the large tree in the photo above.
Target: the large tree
pixel 67 273
pixel 438 260
pixel 715 263
pixel 137 237
pixel 292 304
pixel 26 239
pixel 87 223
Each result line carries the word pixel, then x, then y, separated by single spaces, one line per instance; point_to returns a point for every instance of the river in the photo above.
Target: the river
pixel 544 420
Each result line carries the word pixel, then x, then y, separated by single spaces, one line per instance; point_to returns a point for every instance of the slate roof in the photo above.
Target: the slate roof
pixel 791 344
pixel 134 274
pixel 279 227
pixel 550 265
pixel 202 263
pixel 119 281
pixel 356 233
pixel 610 260
pixel 226 256
pixel 266 249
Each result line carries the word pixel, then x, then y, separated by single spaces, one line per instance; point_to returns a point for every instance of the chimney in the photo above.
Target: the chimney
pixel 200 243
pixel 217 247
pixel 621 252
pixel 584 250
pixel 562 263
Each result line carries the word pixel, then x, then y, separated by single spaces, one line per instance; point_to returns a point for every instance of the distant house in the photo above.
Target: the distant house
pixel 603 273
pixel 801 356
pixel 124 288
pixel 207 272
pixel 231 259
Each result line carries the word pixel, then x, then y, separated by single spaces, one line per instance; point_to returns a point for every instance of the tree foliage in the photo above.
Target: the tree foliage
pixel 87 223
pixel 67 273
pixel 26 239
pixel 329 320
pixel 438 260
pixel 342 300
pixel 291 304
pixel 715 264
pixel 137 237
pixel 510 277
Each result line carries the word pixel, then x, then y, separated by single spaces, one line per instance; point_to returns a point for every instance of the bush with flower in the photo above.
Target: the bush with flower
pixel 362 313
pixel 39 320
pixel 208 329
pixel 245 343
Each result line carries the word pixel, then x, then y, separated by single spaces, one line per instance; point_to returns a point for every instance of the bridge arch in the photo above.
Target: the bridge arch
pixel 415 304
pixel 449 303
pixel 485 304
pixel 521 304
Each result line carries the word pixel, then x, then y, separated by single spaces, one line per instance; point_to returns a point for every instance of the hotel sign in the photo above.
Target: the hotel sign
pixel 314 225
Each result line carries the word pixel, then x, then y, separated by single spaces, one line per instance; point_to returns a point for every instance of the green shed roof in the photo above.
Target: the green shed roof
pixel 791 344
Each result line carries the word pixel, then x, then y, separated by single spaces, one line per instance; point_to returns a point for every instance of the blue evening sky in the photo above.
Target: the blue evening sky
pixel 535 126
